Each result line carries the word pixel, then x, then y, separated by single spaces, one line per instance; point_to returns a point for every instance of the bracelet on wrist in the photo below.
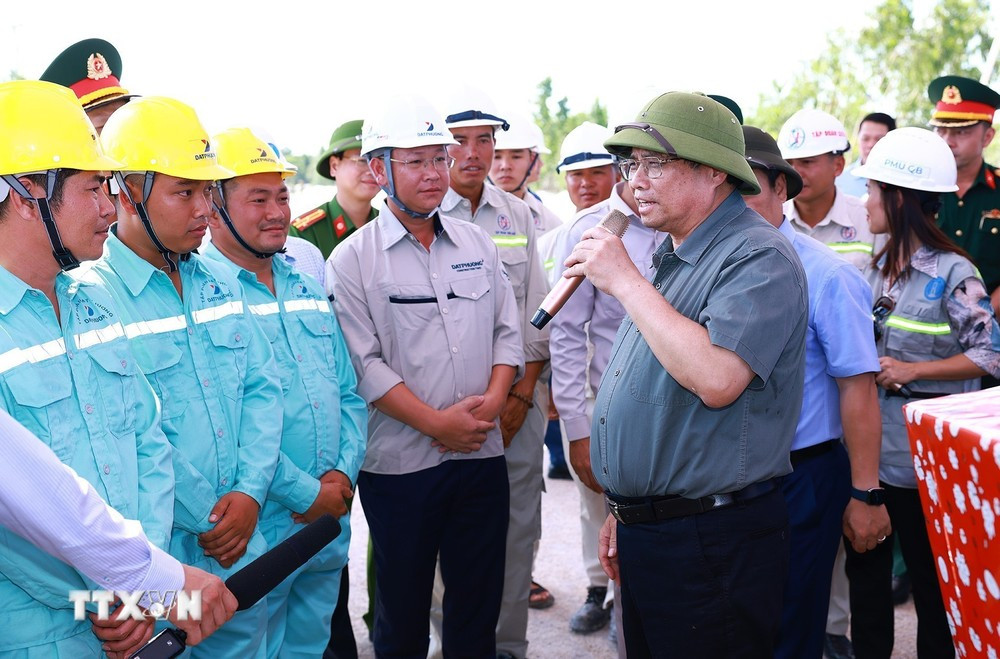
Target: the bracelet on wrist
pixel 524 399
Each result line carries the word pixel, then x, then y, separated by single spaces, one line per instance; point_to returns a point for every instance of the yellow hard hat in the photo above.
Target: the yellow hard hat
pixel 163 135
pixel 244 153
pixel 44 127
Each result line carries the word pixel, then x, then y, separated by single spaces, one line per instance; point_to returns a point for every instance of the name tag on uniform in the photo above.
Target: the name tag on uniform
pixel 990 221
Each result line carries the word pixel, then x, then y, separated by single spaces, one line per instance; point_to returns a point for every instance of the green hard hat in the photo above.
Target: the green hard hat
pixel 346 137
pixel 697 128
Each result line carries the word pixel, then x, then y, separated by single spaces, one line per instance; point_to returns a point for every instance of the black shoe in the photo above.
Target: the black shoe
pixel 592 616
pixel 560 472
pixel 838 647
pixel 900 588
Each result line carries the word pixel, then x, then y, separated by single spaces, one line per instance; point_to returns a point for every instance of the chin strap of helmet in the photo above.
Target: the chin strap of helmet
pixel 390 191
pixel 224 214
pixel 140 208
pixel 63 256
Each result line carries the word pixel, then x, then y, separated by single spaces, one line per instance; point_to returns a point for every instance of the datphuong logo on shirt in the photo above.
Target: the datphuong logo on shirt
pixel 88 312
pixel 468 266
pixel 213 292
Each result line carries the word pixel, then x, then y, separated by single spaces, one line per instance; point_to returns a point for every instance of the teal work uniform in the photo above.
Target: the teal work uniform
pixel 325 428
pixel 73 382
pixel 213 369
pixel 973 223
pixel 326 226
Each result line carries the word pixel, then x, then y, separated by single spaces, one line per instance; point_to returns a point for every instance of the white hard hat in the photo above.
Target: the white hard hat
pixel 469 106
pixel 912 158
pixel 404 122
pixel 811 132
pixel 583 147
pixel 522 134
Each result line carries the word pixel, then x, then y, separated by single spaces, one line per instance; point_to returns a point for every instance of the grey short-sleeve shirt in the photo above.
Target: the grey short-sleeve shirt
pixel 739 277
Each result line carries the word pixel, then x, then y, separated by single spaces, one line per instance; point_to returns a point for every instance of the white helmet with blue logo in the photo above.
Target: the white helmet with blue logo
pixel 809 133
pixel 913 158
pixel 404 122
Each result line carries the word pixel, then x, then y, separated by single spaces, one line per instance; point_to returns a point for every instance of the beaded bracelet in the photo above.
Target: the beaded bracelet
pixel 524 399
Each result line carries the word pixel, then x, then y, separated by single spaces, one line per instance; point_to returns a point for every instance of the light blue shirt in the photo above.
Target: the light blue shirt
pixel 850 184
pixel 213 369
pixel 73 382
pixel 840 338
pixel 325 420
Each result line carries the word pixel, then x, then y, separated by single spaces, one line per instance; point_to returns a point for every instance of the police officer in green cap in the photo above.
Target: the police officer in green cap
pixel 963 116
pixel 351 208
pixel 696 412
pixel 92 68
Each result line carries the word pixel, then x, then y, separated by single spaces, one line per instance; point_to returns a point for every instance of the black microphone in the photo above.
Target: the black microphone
pixel 614 222
pixel 252 582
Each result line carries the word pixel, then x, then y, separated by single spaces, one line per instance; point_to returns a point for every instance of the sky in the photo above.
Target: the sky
pixel 296 69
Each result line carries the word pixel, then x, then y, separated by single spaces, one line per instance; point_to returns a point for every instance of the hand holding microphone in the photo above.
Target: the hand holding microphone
pixel 614 223
pixel 243 589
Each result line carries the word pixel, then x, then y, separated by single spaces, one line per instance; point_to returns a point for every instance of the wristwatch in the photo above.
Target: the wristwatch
pixel 873 497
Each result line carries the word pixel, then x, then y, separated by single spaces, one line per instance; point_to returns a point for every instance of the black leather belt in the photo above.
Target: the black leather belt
pixel 802 454
pixel 652 509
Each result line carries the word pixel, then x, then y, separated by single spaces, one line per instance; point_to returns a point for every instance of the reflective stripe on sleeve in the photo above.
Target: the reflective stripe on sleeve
pixel 155 326
pixel 102 335
pixel 32 354
pixel 511 241
pixel 217 313
pixel 907 325
pixel 848 248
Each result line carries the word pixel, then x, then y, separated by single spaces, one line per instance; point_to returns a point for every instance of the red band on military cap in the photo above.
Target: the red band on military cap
pixel 87 86
pixel 968 110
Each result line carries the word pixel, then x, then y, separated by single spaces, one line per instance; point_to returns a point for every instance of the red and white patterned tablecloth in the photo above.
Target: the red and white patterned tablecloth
pixel 956 451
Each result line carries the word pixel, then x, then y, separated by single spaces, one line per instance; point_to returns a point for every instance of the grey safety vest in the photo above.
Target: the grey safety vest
pixel 918 329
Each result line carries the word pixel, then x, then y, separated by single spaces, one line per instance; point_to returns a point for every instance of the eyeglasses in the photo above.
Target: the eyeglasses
pixel 880 312
pixel 440 163
pixel 358 163
pixel 652 166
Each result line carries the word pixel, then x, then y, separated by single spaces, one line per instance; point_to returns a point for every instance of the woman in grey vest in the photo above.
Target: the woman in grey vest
pixel 936 335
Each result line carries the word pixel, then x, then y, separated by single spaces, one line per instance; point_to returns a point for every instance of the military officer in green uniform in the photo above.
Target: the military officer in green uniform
pixel 92 68
pixel 963 116
pixel 351 208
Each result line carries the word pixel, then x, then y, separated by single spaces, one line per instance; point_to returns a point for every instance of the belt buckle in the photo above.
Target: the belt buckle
pixel 722 500
pixel 613 507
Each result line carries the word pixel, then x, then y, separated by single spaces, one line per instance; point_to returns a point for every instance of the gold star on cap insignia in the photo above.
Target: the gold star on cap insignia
pixel 97 67
pixel 951 95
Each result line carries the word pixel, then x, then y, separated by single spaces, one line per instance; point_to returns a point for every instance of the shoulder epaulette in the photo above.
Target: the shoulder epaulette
pixel 306 220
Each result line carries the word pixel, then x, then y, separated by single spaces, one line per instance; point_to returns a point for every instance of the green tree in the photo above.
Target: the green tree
pixel 886 67
pixel 556 125
pixel 307 168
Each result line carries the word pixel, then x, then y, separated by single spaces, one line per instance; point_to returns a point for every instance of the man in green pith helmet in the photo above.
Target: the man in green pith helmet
pixel 327 225
pixel 707 368
pixel 963 117
pixel 92 68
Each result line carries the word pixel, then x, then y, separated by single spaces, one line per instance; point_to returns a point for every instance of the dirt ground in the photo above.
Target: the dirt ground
pixel 559 568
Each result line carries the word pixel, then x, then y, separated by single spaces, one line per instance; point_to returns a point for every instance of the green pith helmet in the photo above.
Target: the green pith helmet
pixel 961 101
pixel 92 69
pixel 695 128
pixel 346 137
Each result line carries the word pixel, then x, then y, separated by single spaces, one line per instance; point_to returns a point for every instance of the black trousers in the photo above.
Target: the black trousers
pixel 870 576
pixel 706 585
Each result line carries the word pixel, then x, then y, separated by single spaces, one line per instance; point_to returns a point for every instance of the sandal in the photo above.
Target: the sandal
pixel 540 597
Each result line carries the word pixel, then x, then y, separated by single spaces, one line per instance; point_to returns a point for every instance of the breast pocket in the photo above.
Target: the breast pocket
pixel 229 338
pixel 649 382
pixel 36 389
pixel 319 334
pixel 114 372
pixel 159 358
pixel 471 301
pixel 515 262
